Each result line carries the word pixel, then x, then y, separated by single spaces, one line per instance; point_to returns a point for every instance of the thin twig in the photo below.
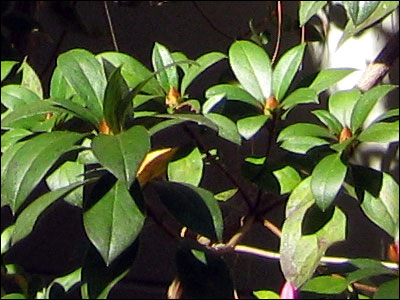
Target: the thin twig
pixel 110 26
pixel 273 228
pixel 278 40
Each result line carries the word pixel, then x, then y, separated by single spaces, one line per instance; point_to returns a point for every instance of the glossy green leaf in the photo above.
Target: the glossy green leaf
pixel 327 178
pixel 288 178
pixel 113 108
pixel 66 282
pixel 329 120
pixel 226 128
pixel 262 294
pixel 86 76
pixel 203 62
pixel 203 274
pixel 252 67
pixel 6 236
pixel 30 79
pixel 180 56
pixel 327 78
pixel 325 285
pixel 188 169
pixel 300 96
pixel 65 175
pixel 194 207
pixel 233 92
pixel 164 125
pixel 11 137
pixel 384 8
pixel 199 119
pixel 14 296
pixel 98 278
pixel 388 290
pixel 59 87
pixel 341 105
pixel 302 144
pixel 384 132
pixel 249 126
pixel 366 268
pixel 285 70
pixel 66 105
pixel 341 146
pixel 226 195
pixel 14 96
pixel 113 222
pixel 212 102
pixel 23 169
pixel 133 71
pixel 301 254
pixel 359 11
pixel 161 58
pixel 121 154
pixel 308 9
pixel 28 217
pixel 302 130
pixel 393 113
pixel 6 68
pixel 381 205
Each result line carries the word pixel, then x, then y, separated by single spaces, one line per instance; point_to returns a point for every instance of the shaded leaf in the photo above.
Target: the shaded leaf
pixel 6 236
pixel 329 120
pixel 325 285
pixel 211 102
pixel 308 9
pixel 248 127
pixel 23 169
pixel 366 268
pixel 164 125
pixel 327 78
pixel 226 128
pixel 252 67
pixel 11 137
pixel 327 178
pixel 388 290
pixel 121 154
pixel 66 281
pixel 199 119
pixel 285 70
pixel 195 208
pixel 359 11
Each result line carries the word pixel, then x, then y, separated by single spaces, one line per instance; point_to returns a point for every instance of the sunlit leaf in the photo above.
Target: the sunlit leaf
pixel 308 9
pixel 188 169
pixel 169 77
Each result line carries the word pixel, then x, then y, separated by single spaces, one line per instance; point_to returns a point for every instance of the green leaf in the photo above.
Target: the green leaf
pixel 65 175
pixel 59 87
pixel 341 105
pixel 288 178
pixel 6 67
pixel 203 274
pixel 262 294
pixel 14 296
pixel 308 9
pixel 300 96
pixel 133 71
pixel 381 133
pixel 252 67
pixel 226 128
pixel 30 79
pixel 11 137
pixel 303 130
pixel 249 126
pixel 27 218
pixel 194 207
pixel 66 282
pixel 161 58
pixel 233 92
pixel 327 178
pixel 180 56
pixel 366 268
pixel 325 285
pixel 327 78
pixel 302 144
pixel 66 105
pixel 86 76
pixel 164 125
pixel 359 11
pixel 14 96
pixel 98 278
pixel 211 102
pixel 329 120
pixel 6 237
pixel 226 195
pixel 203 62
pixel 285 70
pixel 381 206
pixel 121 154
pixel 22 169
pixel 388 290
pixel 188 169
pixel 393 113
pixel 114 221
pixel 199 119
pixel 114 110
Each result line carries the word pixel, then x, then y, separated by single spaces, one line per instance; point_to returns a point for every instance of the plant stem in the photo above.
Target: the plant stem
pixel 111 26
pixel 278 39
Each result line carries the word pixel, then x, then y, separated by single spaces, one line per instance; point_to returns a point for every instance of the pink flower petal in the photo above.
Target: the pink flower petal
pixel 289 291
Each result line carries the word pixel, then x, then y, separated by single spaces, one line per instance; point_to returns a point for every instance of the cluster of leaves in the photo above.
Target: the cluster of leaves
pixel 90 142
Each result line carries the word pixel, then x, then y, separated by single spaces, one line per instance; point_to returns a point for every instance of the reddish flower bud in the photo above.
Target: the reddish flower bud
pixel 289 291
pixel 345 134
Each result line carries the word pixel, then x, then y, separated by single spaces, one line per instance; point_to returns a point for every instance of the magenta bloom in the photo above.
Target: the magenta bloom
pixel 289 291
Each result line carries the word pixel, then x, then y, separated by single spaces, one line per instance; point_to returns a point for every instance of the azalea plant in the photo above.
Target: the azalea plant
pixel 90 141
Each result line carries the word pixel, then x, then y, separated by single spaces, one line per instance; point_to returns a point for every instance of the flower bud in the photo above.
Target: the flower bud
pixel 289 291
